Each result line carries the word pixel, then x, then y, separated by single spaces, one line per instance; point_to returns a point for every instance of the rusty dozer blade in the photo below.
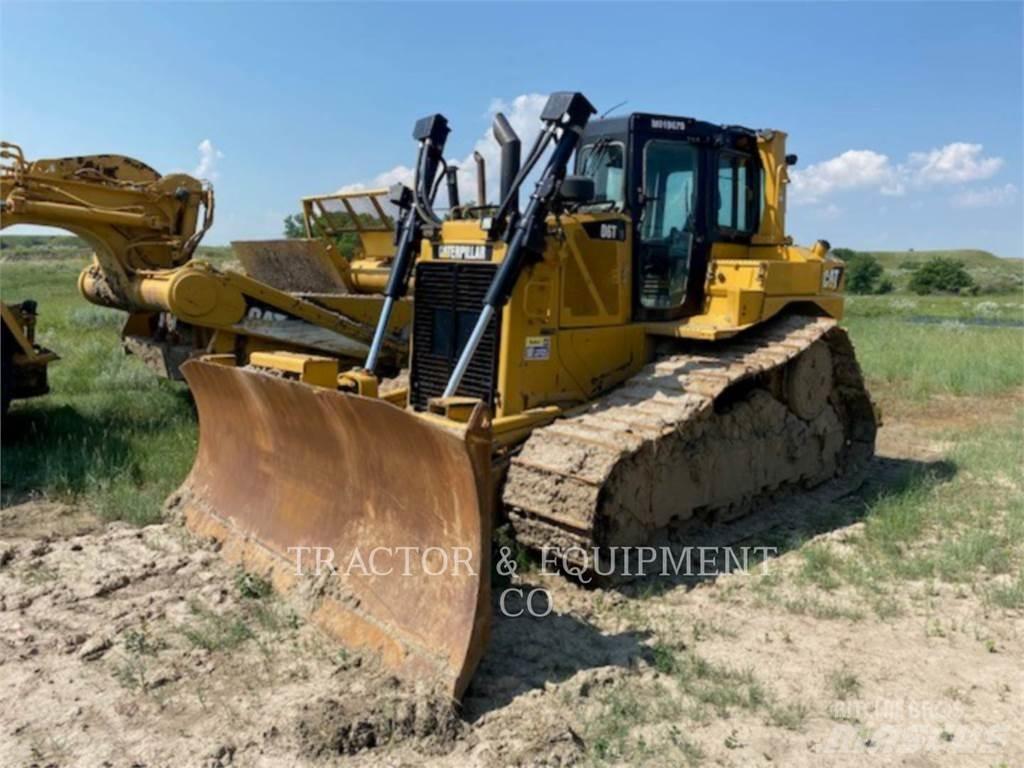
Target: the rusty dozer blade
pixel 282 465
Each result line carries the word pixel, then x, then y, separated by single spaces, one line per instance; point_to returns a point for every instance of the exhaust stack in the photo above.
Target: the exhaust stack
pixel 452 179
pixel 510 156
pixel 481 179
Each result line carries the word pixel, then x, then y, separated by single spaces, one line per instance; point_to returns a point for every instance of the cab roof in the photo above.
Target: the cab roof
pixel 647 123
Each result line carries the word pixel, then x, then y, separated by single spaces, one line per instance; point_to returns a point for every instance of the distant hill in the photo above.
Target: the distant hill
pixel 969 258
pixel 43 247
pixel 41 241
pixel 992 273
pixel 59 247
pixel 908 260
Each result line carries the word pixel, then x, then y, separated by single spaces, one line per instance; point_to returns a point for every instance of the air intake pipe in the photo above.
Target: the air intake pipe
pixel 510 151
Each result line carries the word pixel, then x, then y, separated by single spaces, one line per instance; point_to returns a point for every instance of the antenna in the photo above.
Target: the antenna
pixel 612 109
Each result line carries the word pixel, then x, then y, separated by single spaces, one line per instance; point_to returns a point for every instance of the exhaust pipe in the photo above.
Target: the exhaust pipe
pixel 452 179
pixel 481 180
pixel 510 151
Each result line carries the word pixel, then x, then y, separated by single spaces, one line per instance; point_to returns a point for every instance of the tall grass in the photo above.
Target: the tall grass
pixel 1006 308
pixel 110 433
pixel 954 526
pixel 923 360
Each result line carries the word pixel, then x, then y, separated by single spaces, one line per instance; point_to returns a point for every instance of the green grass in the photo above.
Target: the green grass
pixel 39 248
pixel 214 631
pixel 843 684
pixel 922 360
pixel 1007 307
pixel 110 433
pixel 959 523
pixel 1010 596
pixel 42 247
pixel 611 738
pixel 251 586
pixel 790 716
pixel 957 526
pixel 691 689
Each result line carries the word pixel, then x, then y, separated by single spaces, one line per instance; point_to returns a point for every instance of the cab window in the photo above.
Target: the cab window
pixel 736 201
pixel 604 162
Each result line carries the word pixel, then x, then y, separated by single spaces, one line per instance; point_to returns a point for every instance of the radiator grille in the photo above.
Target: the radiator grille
pixel 447 303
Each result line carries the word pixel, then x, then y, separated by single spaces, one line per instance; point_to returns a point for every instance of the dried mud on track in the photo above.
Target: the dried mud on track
pixel 139 647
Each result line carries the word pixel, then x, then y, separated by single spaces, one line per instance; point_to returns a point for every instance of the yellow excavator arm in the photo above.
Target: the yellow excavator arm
pixel 300 295
pixel 134 218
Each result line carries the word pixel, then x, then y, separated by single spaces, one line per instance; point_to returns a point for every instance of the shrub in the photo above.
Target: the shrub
pixel 863 273
pixel 941 275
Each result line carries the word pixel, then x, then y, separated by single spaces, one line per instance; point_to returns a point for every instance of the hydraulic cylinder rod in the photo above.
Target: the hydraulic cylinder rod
pixel 569 112
pixel 431 132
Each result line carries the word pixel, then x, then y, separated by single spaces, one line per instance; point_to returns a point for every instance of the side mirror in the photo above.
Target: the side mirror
pixel 577 189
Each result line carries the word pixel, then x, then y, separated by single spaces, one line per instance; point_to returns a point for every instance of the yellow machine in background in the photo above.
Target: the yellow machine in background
pixel 299 295
pixel 132 217
pixel 361 222
pixel 641 347
pixel 24 361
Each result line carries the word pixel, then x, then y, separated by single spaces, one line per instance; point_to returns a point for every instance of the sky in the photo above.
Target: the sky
pixel 907 118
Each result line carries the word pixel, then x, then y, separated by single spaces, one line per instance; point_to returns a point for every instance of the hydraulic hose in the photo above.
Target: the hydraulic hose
pixel 431 132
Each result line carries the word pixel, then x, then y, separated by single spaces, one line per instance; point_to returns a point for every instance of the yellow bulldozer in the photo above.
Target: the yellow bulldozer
pixel 298 295
pixel 638 346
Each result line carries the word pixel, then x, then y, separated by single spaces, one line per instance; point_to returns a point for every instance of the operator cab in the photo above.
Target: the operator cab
pixel 683 185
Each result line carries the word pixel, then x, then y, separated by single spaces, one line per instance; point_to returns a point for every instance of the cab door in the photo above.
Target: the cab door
pixel 671 239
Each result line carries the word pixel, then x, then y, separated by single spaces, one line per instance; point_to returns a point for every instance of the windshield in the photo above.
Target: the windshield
pixel 604 162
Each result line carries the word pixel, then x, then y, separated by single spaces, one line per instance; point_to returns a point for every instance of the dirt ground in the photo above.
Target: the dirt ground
pixel 139 647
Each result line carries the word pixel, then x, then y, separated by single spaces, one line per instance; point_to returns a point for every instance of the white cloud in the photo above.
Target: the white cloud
pixel 894 188
pixel 954 163
pixel 988 197
pixel 398 174
pixel 209 156
pixel 523 113
pixel 854 168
